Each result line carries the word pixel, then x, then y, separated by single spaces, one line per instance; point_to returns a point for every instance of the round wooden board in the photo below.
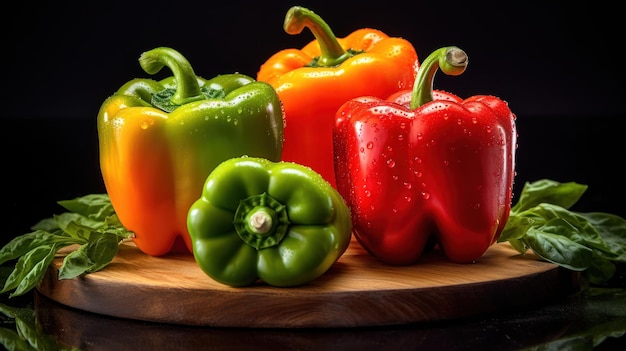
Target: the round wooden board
pixel 357 291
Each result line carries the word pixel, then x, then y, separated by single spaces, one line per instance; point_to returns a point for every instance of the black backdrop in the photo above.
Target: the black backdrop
pixel 557 65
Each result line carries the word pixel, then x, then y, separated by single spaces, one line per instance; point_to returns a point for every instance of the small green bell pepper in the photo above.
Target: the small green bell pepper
pixel 257 220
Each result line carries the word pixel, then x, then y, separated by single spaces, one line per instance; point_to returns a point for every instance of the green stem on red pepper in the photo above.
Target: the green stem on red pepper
pixel 451 60
pixel 332 54
pixel 187 86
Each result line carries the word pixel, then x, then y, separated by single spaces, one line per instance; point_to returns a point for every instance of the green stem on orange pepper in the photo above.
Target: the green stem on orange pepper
pixel 332 54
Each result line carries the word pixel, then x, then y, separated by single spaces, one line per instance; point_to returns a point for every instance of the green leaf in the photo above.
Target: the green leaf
pixel 22 244
pixel 542 221
pixel 75 263
pixel 95 206
pixel 549 191
pixel 101 250
pixel 559 249
pixel 68 221
pixel 612 229
pixel 93 226
pixel 519 245
pixel 13 342
pixel 516 228
pixel 47 224
pixel 35 274
pixel 25 264
pixel 92 257
pixel 600 270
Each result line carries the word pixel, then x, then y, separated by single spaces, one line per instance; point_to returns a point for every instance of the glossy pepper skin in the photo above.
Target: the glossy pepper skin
pixel 276 222
pixel 416 170
pixel 313 82
pixel 158 141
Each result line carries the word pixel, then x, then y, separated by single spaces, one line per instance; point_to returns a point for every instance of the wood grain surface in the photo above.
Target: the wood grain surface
pixel 357 291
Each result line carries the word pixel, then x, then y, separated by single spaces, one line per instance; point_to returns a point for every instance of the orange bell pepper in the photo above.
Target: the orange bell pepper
pixel 314 82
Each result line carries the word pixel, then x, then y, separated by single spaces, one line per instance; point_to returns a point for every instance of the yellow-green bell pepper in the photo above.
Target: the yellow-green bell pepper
pixel 279 223
pixel 160 140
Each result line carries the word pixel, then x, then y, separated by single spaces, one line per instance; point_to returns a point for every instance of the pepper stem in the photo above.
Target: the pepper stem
pixel 261 221
pixel 187 86
pixel 451 60
pixel 332 54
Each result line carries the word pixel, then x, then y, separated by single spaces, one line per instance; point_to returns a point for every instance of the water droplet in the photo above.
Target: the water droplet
pixel 391 163
pixel 240 110
pixel 425 195
pixel 407 185
pixel 407 198
pixel 400 137
pixel 446 163
pixel 476 206
pixel 146 123
pixel 370 145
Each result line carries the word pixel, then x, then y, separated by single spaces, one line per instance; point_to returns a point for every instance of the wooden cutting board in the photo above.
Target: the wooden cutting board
pixel 357 291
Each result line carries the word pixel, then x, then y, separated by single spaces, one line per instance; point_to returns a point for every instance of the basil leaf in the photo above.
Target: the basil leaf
pixel 95 255
pixel 600 270
pixel 24 265
pixel 101 250
pixel 515 228
pixel 35 274
pixel 612 229
pixel 94 227
pixel 549 191
pixel 47 224
pixel 542 221
pixel 20 245
pixel 75 263
pixel 67 219
pixel 559 249
pixel 13 342
pixel 95 206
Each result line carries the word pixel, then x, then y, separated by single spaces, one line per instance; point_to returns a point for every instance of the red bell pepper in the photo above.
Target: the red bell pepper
pixel 426 168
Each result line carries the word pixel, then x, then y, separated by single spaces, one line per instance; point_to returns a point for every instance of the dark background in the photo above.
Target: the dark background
pixel 558 66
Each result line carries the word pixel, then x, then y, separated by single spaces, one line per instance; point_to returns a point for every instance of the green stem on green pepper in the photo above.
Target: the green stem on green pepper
pixel 332 54
pixel 187 86
pixel 451 60
pixel 261 221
